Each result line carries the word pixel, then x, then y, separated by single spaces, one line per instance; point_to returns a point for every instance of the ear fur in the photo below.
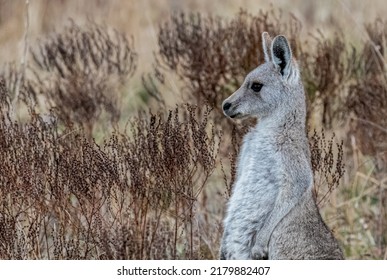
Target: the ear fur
pixel 266 45
pixel 281 55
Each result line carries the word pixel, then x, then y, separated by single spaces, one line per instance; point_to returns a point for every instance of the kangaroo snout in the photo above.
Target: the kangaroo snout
pixel 226 105
pixel 229 109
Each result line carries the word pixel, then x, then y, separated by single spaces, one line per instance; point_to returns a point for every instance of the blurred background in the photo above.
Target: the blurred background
pixel 140 19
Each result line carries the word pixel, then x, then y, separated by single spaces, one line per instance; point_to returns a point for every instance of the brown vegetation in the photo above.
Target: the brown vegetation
pixel 133 197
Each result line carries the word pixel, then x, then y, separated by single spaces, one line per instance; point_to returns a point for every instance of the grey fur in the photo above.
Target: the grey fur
pixel 272 213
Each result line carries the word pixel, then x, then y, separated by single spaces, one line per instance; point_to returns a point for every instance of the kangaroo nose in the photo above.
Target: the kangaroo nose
pixel 226 106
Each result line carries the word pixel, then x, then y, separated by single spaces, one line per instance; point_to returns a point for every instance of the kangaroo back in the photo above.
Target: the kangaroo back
pixel 303 235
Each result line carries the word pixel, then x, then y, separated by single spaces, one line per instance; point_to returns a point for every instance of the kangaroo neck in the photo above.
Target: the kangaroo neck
pixel 291 123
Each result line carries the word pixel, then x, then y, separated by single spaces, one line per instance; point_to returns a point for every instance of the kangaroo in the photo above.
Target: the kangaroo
pixel 272 213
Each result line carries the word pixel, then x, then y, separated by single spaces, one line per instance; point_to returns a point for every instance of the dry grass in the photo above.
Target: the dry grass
pixel 155 187
pixel 133 197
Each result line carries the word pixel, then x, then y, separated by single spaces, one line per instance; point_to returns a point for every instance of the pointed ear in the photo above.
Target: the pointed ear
pixel 266 45
pixel 282 55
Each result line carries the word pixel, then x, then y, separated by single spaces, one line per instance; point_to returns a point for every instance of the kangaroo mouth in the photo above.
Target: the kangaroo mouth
pixel 233 116
pixel 231 111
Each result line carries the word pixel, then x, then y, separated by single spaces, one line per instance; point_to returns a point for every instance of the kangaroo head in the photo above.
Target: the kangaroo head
pixel 265 88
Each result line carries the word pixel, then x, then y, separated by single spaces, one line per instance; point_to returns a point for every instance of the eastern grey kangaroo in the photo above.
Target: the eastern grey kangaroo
pixel 272 212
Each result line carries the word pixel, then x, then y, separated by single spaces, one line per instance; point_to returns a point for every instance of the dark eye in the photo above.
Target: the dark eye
pixel 256 87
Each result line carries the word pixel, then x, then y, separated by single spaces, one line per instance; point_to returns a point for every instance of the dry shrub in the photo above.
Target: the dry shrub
pixel 134 197
pixel 12 75
pixel 367 104
pixel 170 161
pixel 327 165
pixel 5 102
pixel 80 71
pixel 86 68
pixel 326 69
pixel 367 98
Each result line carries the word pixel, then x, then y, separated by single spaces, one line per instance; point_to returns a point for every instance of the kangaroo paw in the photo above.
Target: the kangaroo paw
pixel 259 252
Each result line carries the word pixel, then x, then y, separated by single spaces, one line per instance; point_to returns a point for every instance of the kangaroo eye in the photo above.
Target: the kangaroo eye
pixel 256 87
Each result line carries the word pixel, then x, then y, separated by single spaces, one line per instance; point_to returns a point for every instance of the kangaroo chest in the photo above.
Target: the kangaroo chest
pixel 260 162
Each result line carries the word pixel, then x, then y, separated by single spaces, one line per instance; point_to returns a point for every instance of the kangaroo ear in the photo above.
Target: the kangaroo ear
pixel 282 55
pixel 266 45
